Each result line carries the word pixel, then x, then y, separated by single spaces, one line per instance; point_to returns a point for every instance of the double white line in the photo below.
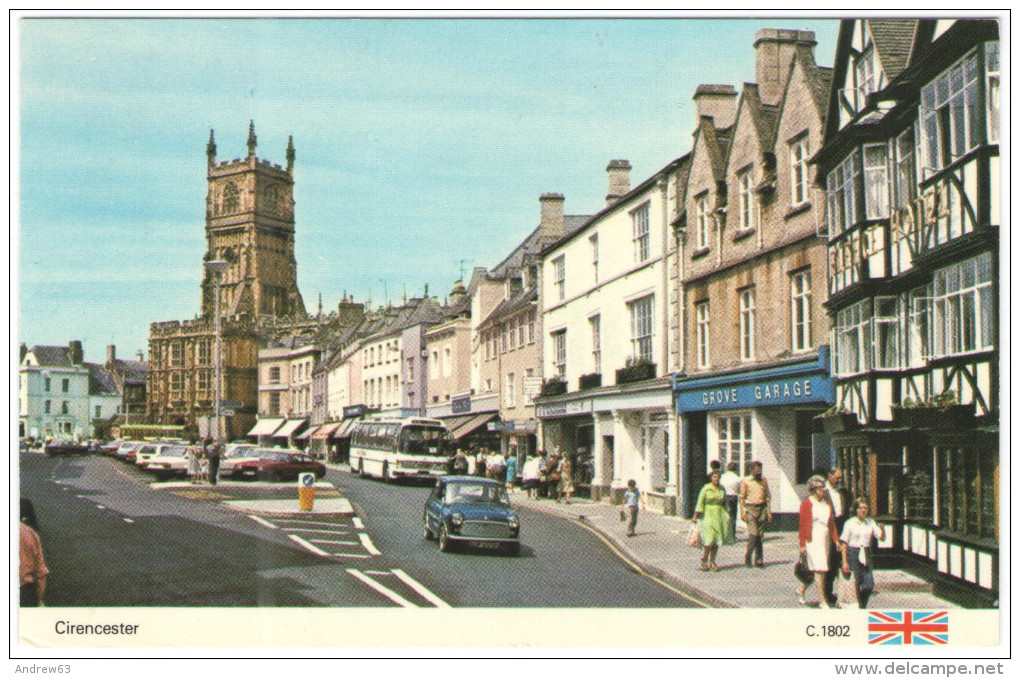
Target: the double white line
pixel 396 597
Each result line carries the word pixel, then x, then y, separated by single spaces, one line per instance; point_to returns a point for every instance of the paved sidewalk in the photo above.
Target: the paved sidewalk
pixel 660 549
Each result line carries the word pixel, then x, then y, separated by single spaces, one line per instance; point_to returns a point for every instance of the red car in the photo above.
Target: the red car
pixel 275 465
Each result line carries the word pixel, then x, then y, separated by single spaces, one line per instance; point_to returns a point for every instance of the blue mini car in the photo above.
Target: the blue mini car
pixel 464 509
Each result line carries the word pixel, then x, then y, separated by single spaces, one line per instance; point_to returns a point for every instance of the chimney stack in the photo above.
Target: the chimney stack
pixel 718 102
pixel 24 352
pixel 75 353
pixel 619 180
pixel 111 355
pixel 550 228
pixel 774 49
pixel 140 356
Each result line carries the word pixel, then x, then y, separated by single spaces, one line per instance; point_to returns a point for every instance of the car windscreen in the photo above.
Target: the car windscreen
pixel 476 493
pixel 432 441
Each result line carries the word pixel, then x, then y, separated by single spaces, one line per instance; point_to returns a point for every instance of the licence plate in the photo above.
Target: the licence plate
pixel 248 473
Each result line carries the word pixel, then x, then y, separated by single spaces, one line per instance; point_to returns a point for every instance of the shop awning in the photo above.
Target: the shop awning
pixel 288 428
pixel 345 428
pixel 264 427
pixel 325 430
pixel 472 425
pixel 307 433
pixel 453 423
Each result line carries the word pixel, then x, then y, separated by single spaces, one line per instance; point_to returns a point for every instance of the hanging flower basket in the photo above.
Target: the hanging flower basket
pixel 554 387
pixel 593 380
pixel 838 422
pixel 636 372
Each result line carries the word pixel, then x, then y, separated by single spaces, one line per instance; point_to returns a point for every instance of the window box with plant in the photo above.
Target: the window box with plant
pixel 943 412
pixel 553 387
pixel 837 419
pixel 636 369
pixel 586 381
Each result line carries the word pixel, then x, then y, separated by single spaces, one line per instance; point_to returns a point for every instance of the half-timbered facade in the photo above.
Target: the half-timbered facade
pixel 910 166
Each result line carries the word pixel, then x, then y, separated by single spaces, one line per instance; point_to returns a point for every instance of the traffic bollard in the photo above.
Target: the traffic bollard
pixel 306 491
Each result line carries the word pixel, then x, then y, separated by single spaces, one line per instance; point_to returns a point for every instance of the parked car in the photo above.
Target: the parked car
pixel 274 465
pixel 168 461
pixel 129 450
pixel 110 448
pixel 466 509
pixel 235 453
pixel 59 447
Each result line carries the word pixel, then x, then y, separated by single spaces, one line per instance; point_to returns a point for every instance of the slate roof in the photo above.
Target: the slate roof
pixel 894 39
pixel 52 356
pixel 131 371
pixel 530 245
pixel 509 306
pixel 101 380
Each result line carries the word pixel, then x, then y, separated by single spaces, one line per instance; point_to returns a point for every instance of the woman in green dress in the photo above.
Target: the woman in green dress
pixel 715 523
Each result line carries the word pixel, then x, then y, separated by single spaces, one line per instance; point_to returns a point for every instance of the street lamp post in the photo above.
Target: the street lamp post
pixel 216 268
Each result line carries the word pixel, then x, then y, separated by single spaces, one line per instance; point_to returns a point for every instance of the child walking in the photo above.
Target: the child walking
pixel 631 498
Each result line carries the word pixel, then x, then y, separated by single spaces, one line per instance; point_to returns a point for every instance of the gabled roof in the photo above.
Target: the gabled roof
pixel 763 116
pixel 716 144
pixel 130 371
pixel 101 381
pixel 893 39
pixel 531 245
pixel 51 356
pixel 510 306
pixel 421 311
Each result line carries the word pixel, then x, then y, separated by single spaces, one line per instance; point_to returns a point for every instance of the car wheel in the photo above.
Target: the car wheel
pixel 427 532
pixel 445 544
pixel 512 549
pixel 353 468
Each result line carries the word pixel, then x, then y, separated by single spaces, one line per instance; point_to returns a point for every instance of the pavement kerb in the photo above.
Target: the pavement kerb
pixel 620 544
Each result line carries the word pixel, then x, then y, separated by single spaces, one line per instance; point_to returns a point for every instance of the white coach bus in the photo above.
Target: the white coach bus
pixel 395 448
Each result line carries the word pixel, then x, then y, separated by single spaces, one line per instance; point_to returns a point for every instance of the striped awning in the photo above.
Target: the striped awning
pixel 288 428
pixel 264 427
pixel 346 428
pixel 325 430
pixel 307 433
pixel 472 425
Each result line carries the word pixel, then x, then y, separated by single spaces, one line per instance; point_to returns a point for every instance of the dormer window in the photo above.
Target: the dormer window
pixel 867 80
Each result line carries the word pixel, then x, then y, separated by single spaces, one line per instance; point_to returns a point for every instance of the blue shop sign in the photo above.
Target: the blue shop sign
pixel 354 411
pixel 460 405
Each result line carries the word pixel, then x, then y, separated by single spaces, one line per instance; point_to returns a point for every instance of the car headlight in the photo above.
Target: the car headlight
pixel 457 519
pixel 513 522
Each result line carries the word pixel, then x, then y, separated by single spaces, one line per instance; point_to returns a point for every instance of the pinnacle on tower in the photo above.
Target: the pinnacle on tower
pixel 290 154
pixel 251 139
pixel 210 149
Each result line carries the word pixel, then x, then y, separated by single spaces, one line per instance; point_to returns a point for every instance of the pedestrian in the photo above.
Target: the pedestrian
pixel 817 536
pixel 458 463
pixel 531 475
pixel 496 465
pixel 203 466
pixel 553 477
pixel 856 537
pixel 730 482
pixel 715 523
pixel 566 484
pixel 511 469
pixel 714 466
pixel 543 473
pixel 32 567
pixel 839 499
pixel 756 511
pixel 212 452
pixel 480 463
pixel 194 466
pixel 631 498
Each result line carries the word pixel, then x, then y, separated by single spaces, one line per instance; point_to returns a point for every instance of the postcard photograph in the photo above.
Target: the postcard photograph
pixel 534 331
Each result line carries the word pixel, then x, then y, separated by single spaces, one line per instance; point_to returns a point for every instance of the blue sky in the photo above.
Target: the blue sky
pixel 422 145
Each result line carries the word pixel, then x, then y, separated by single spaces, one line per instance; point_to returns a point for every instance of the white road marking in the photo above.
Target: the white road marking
pixel 366 541
pixel 349 555
pixel 262 521
pixel 128 520
pixel 392 595
pixel 315 529
pixel 100 507
pixel 390 574
pixel 421 590
pixel 311 547
pixel 332 541
pixel 306 522
pixel 358 524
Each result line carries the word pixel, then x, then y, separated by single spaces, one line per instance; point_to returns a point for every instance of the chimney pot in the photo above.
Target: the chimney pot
pixel 111 354
pixel 75 353
pixel 551 225
pixel 140 356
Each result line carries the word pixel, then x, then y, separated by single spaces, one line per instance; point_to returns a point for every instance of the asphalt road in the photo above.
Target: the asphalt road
pixel 112 540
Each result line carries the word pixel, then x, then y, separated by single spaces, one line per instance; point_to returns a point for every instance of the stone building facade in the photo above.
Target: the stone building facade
pixel 755 370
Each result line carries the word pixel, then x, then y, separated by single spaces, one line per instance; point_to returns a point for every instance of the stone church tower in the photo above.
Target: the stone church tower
pixel 249 222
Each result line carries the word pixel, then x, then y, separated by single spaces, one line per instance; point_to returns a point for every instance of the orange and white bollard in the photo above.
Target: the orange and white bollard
pixel 306 491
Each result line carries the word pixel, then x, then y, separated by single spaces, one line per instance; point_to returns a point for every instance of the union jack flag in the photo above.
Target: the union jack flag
pixel 910 627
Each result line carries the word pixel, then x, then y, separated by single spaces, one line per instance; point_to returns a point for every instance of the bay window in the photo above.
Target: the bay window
pixel 841 186
pixel 962 307
pixel 887 332
pixel 949 114
pixel 853 339
pixel 919 327
pixel 876 181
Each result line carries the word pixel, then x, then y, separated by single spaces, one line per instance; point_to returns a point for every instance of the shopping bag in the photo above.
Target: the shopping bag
pixel 694 536
pixel 801 571
pixel 846 590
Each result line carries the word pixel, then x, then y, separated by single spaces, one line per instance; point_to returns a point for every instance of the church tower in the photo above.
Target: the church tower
pixel 249 222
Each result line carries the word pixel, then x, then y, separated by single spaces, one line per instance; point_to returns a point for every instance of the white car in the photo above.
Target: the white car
pixel 233 454
pixel 169 462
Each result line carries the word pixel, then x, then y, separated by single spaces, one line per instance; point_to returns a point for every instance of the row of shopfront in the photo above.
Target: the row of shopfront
pixel 665 434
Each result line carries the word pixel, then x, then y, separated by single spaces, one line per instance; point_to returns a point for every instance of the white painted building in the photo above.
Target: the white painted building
pixel 605 296
pixel 54 392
